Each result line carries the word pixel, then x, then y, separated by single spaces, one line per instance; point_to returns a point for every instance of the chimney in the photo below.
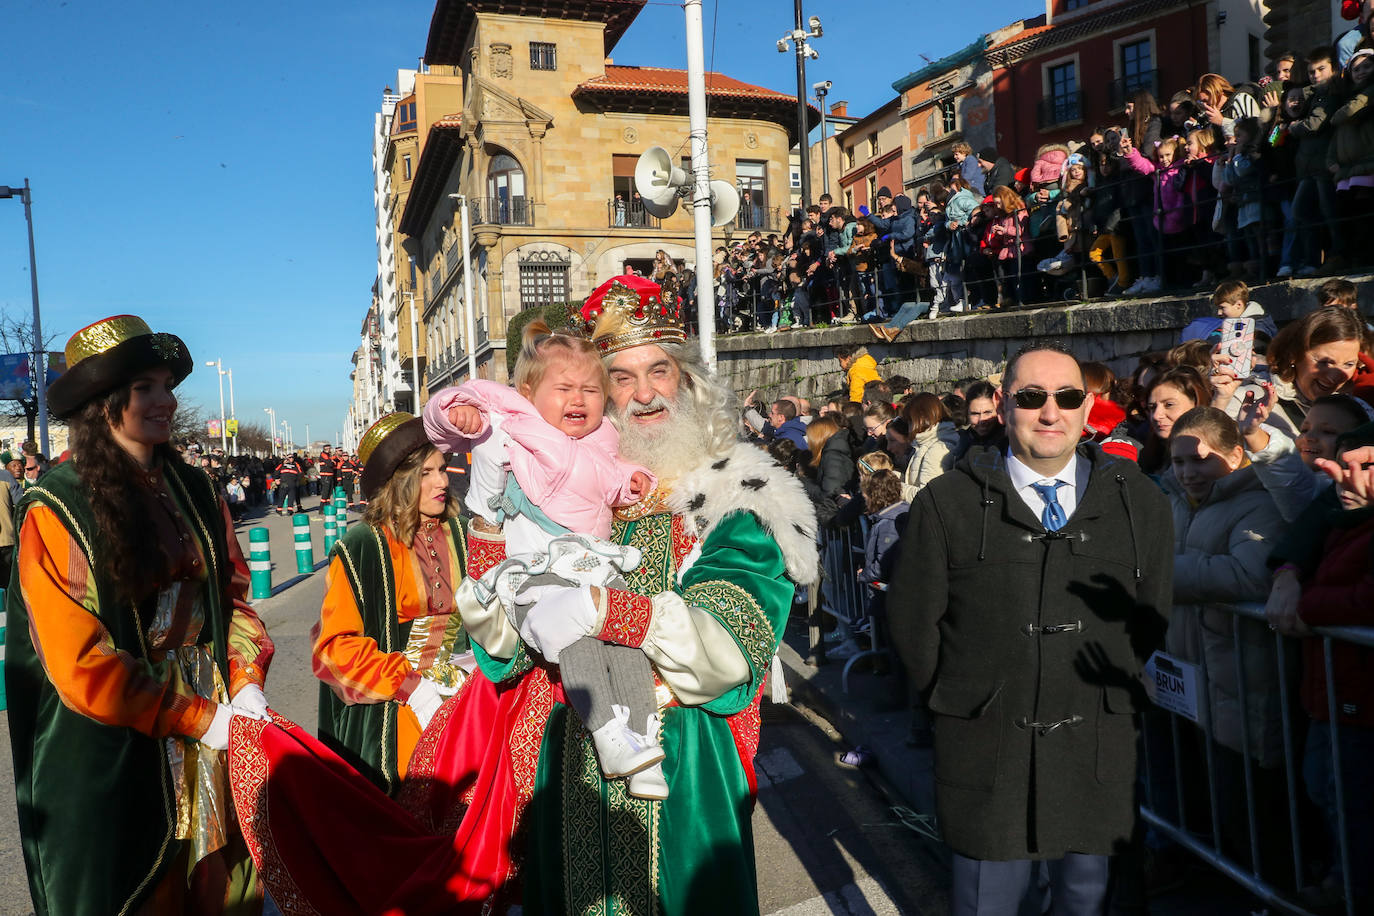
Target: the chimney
pixel 840 109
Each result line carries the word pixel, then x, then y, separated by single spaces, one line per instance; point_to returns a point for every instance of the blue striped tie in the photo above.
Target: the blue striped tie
pixel 1052 517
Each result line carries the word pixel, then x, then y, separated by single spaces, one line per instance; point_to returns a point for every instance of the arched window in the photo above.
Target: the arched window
pixel 506 188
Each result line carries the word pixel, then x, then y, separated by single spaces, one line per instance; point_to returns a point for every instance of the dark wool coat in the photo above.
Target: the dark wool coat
pixel 1011 629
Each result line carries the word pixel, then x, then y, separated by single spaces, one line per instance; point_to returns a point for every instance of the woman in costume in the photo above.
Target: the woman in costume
pixel 389 645
pixel 131 647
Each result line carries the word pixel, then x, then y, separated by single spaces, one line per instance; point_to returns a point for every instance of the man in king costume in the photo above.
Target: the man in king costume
pixel 726 537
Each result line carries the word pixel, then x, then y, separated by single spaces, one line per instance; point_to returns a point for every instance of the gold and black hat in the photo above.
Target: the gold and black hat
pixel 107 354
pixel 385 445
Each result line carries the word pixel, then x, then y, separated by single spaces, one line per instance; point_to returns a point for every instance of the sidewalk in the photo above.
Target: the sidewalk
pixel 281 540
pixel 875 716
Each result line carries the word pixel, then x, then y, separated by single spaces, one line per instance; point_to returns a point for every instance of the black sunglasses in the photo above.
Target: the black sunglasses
pixel 1064 398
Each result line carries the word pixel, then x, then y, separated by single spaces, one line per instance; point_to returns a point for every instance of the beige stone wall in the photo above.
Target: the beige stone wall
pixel 566 149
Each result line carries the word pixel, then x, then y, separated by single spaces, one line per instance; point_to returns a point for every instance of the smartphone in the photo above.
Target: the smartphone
pixel 1238 342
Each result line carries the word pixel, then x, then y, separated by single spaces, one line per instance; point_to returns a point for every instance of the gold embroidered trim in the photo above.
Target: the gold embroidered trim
pixel 737 610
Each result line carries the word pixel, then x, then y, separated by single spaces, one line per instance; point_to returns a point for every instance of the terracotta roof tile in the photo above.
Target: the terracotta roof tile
pixel 661 79
pixel 1022 36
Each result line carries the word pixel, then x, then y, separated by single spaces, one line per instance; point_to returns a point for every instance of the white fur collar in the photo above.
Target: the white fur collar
pixel 748 480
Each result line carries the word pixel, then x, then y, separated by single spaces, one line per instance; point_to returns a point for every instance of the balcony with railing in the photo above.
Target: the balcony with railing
pixel 452 258
pixel 758 218
pixel 630 214
pixel 1120 91
pixel 1057 110
pixel 501 211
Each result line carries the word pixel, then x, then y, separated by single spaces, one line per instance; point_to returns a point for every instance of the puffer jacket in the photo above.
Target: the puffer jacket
pixel 960 207
pixel 932 453
pixel 1352 143
pixel 1007 236
pixel 836 471
pixel 863 370
pixel 1220 549
pixel 1171 196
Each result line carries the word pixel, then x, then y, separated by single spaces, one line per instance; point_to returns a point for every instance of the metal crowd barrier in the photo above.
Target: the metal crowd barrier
pixel 843 596
pixel 1209 848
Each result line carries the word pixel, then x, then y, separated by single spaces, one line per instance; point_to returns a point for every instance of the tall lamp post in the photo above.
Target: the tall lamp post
pixel 232 415
pixel 798 37
pixel 272 436
pixel 40 361
pixel 223 433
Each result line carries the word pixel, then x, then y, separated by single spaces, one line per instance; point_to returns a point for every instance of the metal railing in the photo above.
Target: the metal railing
pixel 753 217
pixel 452 258
pixel 1236 846
pixel 630 214
pixel 1065 108
pixel 1257 875
pixel 501 211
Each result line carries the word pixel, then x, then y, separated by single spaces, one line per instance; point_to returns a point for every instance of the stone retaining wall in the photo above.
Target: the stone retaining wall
pixel 945 351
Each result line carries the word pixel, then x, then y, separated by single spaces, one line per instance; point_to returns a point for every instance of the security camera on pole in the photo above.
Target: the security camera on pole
pixel 798 37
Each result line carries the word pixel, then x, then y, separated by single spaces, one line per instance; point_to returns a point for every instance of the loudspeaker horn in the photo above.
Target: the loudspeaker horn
pixel 724 202
pixel 659 182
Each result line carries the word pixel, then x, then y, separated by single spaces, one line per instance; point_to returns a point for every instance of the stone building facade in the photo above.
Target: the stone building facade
pixel 542 154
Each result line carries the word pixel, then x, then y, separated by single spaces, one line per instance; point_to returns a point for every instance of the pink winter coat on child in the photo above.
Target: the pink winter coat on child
pixel 1173 211
pixel 575 482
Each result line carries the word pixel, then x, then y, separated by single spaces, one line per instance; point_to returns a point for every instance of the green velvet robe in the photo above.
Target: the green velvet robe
pixel 364 734
pixel 594 849
pixel 97 813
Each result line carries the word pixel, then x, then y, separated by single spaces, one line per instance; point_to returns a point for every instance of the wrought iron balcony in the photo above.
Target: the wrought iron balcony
pixel 1065 108
pixel 501 211
pixel 630 214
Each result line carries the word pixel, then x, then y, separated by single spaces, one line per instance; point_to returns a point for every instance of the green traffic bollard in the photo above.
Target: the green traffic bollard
pixel 305 550
pixel 331 528
pixel 2 648
pixel 340 511
pixel 260 562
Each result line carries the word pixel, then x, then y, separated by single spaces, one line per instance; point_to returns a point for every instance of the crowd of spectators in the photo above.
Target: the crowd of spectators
pixel 1247 181
pixel 1270 477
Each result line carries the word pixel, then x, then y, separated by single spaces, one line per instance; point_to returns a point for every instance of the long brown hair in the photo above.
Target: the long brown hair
pixel 818 432
pixel 134 565
pixel 396 505
pixel 1143 108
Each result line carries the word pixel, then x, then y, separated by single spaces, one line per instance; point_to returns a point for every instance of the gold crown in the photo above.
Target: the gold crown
pixel 623 317
pixel 109 333
pixel 379 431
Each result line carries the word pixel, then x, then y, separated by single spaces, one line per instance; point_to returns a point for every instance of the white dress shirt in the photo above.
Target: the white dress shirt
pixel 1074 477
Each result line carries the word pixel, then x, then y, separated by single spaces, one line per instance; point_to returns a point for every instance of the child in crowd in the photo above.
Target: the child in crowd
pixel 1109 249
pixel 544 467
pixel 1231 299
pixel 1202 156
pixel 1068 216
pixel 887 511
pixel 1173 218
pixel 1007 242
pixel 1242 185
pixel 1224 525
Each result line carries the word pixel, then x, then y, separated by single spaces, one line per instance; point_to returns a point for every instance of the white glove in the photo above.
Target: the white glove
pixel 559 619
pixel 536 587
pixel 216 737
pixel 250 701
pixel 425 701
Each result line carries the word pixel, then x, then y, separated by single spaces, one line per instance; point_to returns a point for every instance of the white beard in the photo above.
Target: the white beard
pixel 669 447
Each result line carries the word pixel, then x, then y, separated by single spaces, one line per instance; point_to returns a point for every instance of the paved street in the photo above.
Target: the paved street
pixel 826 841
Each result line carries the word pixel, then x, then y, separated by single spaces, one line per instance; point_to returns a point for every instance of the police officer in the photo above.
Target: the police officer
pixel 290 473
pixel 329 470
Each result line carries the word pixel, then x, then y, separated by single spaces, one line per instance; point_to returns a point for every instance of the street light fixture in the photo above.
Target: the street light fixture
pixel 822 90
pixel 40 361
pixel 798 37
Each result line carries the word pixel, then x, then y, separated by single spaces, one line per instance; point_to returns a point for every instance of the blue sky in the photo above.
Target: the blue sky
pixel 208 166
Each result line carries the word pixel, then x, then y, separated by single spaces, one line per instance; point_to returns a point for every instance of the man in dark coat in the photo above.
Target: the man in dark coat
pixel 782 418
pixel 997 169
pixel 1033 584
